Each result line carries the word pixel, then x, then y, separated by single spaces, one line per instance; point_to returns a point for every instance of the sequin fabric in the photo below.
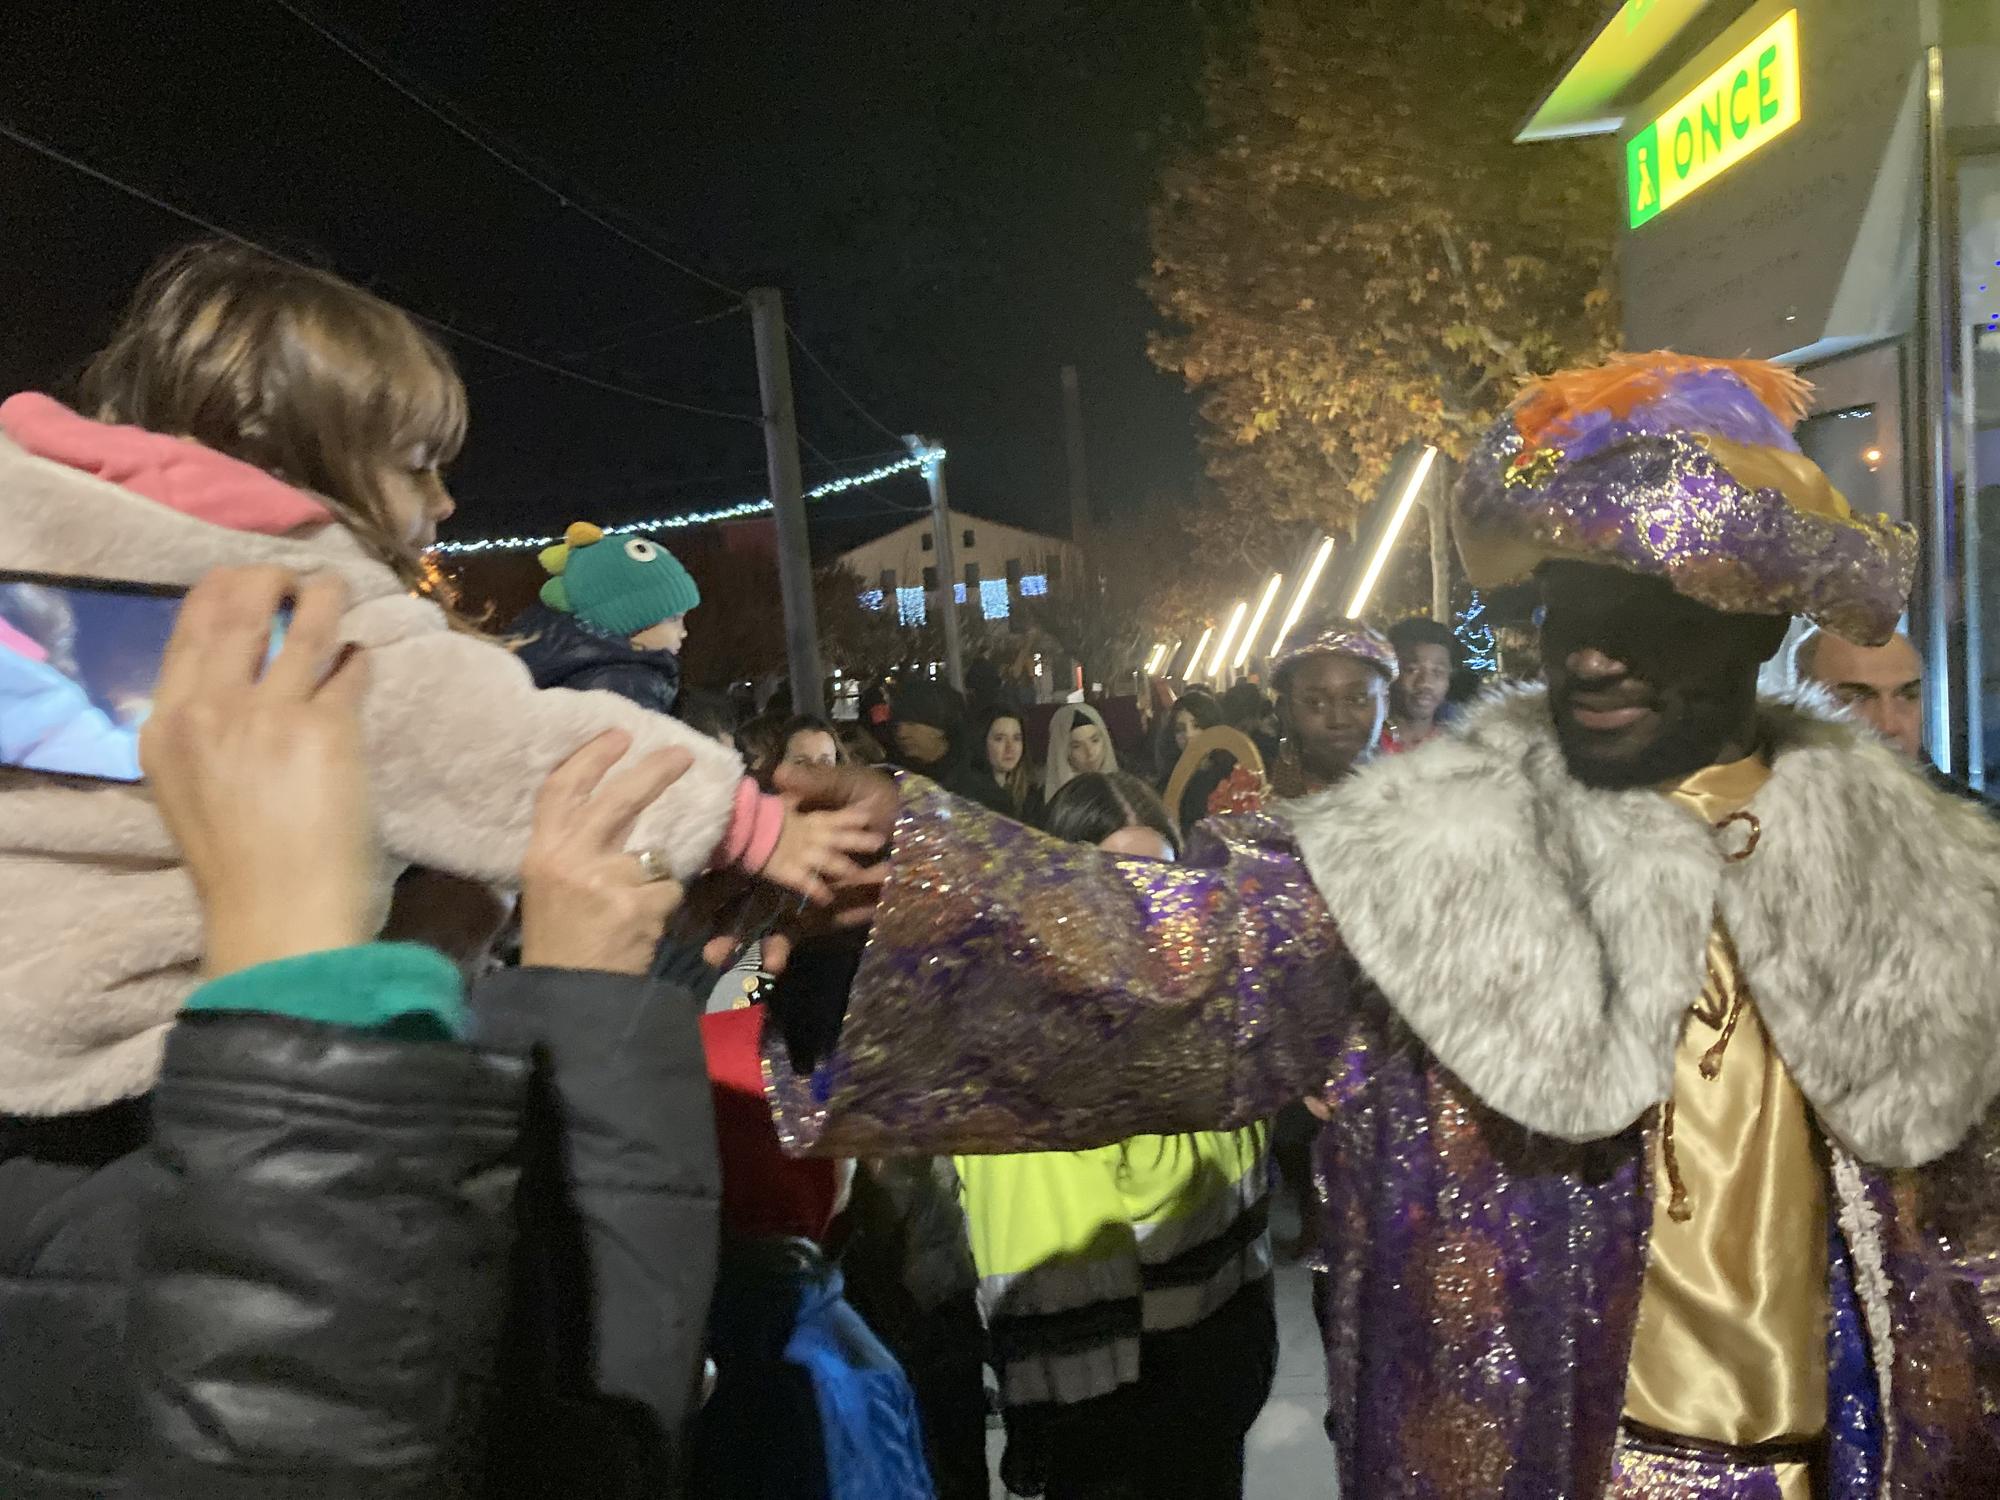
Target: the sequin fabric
pixel 1482 1280
pixel 1339 637
pixel 1662 503
pixel 1482 1286
pixel 1645 1472
pixel 1019 993
pixel 1940 1231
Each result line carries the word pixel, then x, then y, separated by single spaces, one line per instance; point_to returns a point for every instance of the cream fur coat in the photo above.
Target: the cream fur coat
pixel 1561 932
pixel 100 935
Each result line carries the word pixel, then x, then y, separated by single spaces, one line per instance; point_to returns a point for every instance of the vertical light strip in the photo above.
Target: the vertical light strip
pixel 1257 620
pixel 1228 638
pixel 1194 662
pixel 1380 560
pixel 1304 595
pixel 1153 661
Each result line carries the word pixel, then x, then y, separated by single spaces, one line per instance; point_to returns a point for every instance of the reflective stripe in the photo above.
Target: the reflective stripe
pixel 1069 1378
pixel 1182 1306
pixel 1057 1286
pixel 1209 1216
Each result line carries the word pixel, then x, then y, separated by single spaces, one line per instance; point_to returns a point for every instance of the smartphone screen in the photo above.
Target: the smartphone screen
pixel 79 664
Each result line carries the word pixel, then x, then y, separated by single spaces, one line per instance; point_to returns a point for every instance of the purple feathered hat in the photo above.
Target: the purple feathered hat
pixel 1684 469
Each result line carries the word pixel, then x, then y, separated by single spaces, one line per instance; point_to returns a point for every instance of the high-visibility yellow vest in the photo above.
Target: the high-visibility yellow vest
pixel 1079 1252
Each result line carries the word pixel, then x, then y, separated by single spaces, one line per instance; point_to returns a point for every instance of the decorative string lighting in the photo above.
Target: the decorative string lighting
pixel 923 461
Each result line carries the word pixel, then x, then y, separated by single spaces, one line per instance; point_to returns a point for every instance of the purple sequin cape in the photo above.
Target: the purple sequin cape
pixel 1022 994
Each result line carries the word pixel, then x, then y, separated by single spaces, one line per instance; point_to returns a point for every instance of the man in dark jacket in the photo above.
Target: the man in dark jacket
pixel 922 727
pixel 613 617
pixel 360 1238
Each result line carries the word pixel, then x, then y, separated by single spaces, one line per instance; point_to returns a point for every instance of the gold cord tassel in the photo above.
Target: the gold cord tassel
pixel 1677 1201
pixel 1711 1060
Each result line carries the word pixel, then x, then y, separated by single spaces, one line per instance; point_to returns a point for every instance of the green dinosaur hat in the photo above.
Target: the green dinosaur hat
pixel 615 585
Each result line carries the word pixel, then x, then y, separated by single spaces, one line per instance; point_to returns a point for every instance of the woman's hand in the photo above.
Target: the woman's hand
pixel 258 773
pixel 586 902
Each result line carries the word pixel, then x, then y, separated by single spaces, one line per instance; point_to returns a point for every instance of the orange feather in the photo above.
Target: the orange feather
pixel 1627 381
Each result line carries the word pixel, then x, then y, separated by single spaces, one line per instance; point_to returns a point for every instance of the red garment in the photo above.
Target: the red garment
pixel 764 1191
pixel 175 472
pixel 1391 745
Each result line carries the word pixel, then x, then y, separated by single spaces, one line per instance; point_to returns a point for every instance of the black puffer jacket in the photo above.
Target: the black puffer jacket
pixel 562 653
pixel 319 1262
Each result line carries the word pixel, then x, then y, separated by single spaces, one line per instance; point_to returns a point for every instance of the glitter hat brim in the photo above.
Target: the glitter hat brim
pixel 1343 638
pixel 1738 527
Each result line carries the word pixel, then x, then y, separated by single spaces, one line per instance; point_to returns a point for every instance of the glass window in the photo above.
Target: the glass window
pixel 968 536
pixel 928 541
pixel 1978 442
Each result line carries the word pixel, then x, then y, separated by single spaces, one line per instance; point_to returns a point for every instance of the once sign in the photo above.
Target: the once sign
pixel 1734 112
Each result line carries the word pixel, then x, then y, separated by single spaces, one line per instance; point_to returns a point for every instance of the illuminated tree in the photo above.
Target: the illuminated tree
pixel 1356 253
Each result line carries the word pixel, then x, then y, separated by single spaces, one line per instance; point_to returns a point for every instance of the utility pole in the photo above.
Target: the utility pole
pixel 1079 480
pixel 781 459
pixel 948 579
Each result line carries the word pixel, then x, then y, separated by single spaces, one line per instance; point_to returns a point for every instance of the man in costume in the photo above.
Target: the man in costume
pixel 1658 1026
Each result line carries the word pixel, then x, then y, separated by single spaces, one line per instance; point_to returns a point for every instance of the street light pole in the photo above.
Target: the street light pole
pixel 954 653
pixel 781 457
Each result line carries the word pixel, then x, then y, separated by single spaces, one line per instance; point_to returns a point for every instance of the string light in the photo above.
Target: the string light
pixel 910 609
pixel 1411 487
pixel 923 461
pixel 993 601
pixel 1034 585
pixel 1257 620
pixel 1304 595
pixel 1228 638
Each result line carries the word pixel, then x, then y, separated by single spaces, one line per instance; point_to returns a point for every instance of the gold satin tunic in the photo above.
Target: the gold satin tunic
pixel 1731 1339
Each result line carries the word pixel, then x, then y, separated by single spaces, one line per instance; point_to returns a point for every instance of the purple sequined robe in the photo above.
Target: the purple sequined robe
pixel 1484 966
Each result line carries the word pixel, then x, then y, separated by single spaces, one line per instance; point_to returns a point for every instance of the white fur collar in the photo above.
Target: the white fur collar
pixel 1545 940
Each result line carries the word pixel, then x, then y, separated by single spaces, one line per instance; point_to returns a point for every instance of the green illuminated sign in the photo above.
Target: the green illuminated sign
pixel 1734 112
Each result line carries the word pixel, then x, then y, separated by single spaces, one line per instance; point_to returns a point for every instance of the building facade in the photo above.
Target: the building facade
pixel 1818 182
pixel 997 565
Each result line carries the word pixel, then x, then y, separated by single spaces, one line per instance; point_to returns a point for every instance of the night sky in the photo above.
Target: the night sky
pixel 952 197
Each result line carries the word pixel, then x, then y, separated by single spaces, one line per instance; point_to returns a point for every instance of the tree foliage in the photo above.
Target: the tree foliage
pixel 1356 254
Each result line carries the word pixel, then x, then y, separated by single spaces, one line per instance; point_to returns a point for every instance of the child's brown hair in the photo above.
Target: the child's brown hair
pixel 295 371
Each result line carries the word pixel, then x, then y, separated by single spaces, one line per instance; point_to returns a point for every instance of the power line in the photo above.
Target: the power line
pixel 845 394
pixel 643 332
pixel 456 117
pixel 75 164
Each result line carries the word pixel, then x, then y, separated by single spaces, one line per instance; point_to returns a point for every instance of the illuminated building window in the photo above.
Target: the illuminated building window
pixel 1034 585
pixel 909 606
pixel 993 601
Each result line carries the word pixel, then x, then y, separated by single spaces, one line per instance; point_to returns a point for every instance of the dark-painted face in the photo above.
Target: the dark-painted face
pixel 1644 684
pixel 1332 712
